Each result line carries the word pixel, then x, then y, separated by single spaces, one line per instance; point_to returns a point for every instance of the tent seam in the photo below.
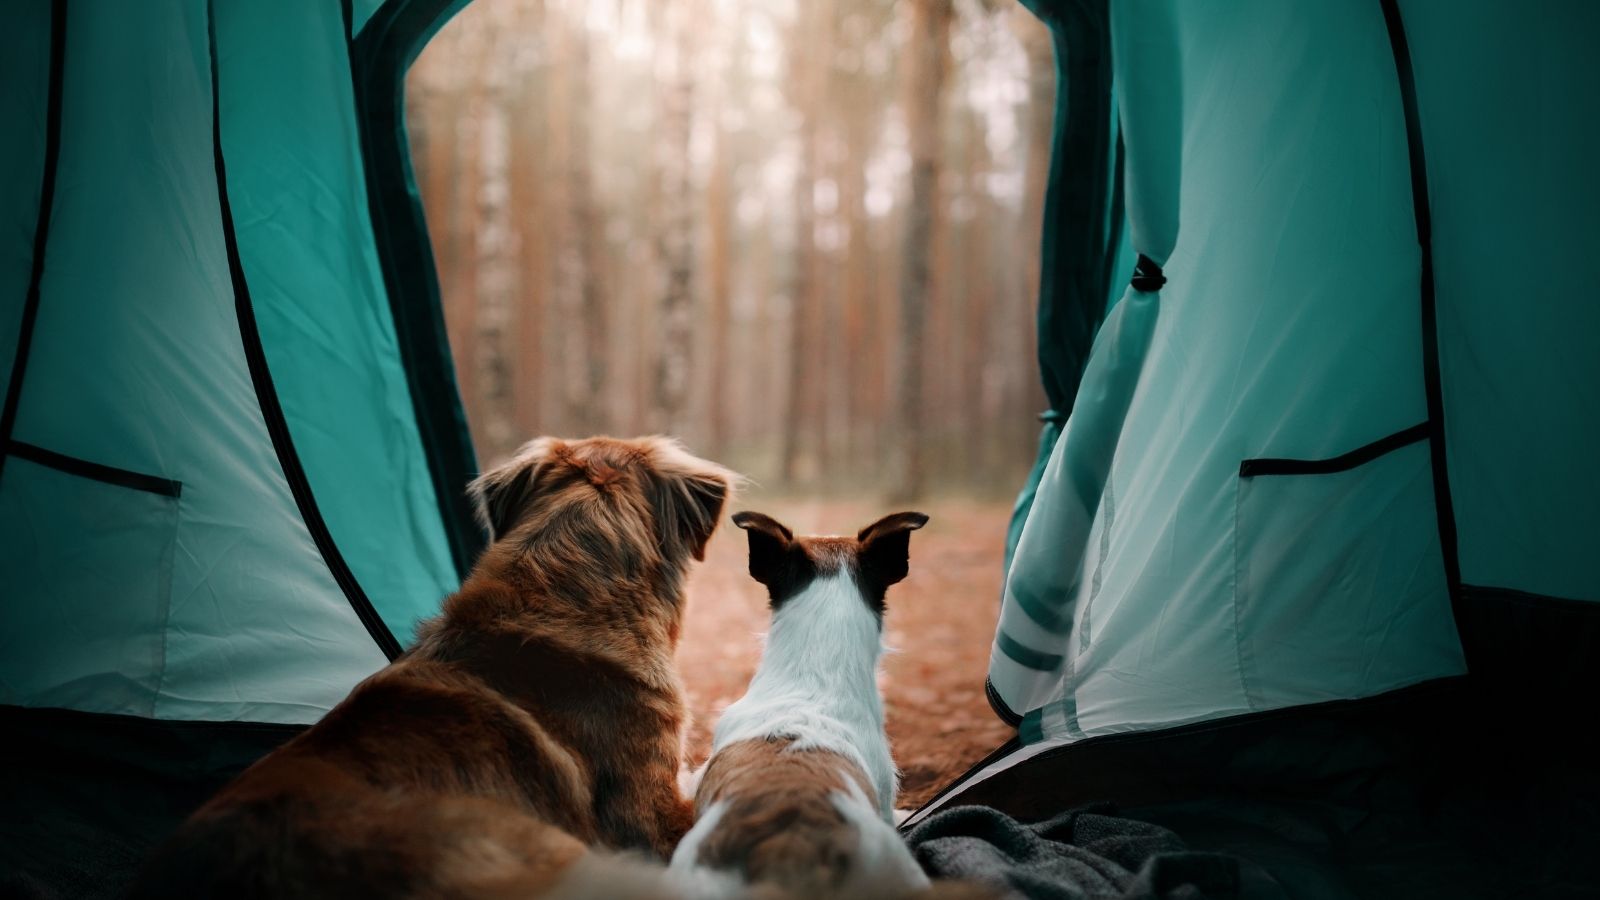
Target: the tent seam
pixel 83 468
pixel 41 233
pixel 1274 466
pixel 266 395
pixel 1433 390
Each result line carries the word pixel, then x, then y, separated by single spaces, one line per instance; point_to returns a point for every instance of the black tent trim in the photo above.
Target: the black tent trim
pixel 202 735
pixel 41 233
pixel 1360 456
pixel 1422 213
pixel 83 468
pixel 1257 725
pixel 1011 745
pixel 379 58
pixel 996 703
pixel 266 393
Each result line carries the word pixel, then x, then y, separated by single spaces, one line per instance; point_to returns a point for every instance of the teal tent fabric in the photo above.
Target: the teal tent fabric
pixel 299 198
pixel 215 503
pixel 25 70
pixel 1511 125
pixel 1371 358
pixel 384 49
pixel 1082 220
pixel 1154 583
pixel 362 12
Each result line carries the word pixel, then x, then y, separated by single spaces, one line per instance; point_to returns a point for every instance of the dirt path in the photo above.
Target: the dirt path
pixel 941 620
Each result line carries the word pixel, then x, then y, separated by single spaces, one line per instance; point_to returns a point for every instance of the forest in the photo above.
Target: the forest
pixel 802 236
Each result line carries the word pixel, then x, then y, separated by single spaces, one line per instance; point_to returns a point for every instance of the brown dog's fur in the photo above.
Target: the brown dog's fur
pixel 539 715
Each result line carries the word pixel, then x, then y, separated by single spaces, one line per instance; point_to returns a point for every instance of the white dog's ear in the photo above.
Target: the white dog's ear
pixel 885 551
pixel 689 494
pixel 770 561
pixel 500 496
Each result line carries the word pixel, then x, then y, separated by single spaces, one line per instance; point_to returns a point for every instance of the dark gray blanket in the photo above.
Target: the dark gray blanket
pixel 1082 854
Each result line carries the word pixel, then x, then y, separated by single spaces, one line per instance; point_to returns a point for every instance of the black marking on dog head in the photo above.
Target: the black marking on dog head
pixel 883 555
pixel 777 560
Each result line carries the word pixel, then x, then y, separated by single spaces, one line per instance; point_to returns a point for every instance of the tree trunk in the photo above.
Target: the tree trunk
pixel 805 78
pixel 494 244
pixel 674 232
pixel 719 294
pixel 529 207
pixel 926 56
pixel 578 288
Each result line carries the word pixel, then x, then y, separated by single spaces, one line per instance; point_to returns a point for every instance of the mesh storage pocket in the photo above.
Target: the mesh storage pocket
pixel 1339 587
pixel 87 579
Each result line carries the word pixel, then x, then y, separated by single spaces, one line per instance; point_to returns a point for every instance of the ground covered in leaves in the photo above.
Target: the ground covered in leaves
pixel 940 622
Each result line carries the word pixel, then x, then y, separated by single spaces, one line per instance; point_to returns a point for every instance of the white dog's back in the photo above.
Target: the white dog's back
pixel 798 795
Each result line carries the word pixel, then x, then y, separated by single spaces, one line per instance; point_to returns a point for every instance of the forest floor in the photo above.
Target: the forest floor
pixel 940 622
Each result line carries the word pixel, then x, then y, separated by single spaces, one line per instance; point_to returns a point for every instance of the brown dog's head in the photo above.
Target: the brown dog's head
pixel 619 503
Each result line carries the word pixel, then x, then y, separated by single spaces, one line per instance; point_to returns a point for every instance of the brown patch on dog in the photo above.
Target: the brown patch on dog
pixel 538 715
pixel 781 826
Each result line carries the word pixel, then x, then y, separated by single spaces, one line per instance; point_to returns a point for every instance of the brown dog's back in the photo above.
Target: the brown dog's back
pixel 488 800
pixel 540 715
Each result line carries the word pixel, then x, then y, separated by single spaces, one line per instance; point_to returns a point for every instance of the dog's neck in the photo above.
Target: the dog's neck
pixel 608 602
pixel 817 682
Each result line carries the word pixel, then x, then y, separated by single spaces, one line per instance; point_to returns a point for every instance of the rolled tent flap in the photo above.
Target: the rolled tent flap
pixel 213 501
pixel 1159 580
pixel 1082 219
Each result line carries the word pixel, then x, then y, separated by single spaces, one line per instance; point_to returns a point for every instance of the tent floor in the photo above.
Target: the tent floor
pixel 1416 794
pixel 85 797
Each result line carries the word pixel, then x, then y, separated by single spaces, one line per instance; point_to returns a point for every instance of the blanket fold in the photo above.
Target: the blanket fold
pixel 1081 854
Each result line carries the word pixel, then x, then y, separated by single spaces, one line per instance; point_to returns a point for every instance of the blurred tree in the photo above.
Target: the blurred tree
pixel 580 279
pixel 674 233
pixel 927 53
pixel 802 234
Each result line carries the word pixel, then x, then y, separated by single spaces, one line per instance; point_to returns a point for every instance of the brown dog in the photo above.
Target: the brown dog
pixel 538 716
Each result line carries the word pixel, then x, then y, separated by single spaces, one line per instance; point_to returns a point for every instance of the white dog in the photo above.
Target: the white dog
pixel 798 796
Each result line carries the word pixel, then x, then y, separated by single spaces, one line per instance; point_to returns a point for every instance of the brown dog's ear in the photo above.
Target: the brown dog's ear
pixel 769 547
pixel 885 552
pixel 501 495
pixel 689 494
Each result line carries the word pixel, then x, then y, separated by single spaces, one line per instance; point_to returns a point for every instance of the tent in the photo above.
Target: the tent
pixel 233 449
pixel 1309 568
